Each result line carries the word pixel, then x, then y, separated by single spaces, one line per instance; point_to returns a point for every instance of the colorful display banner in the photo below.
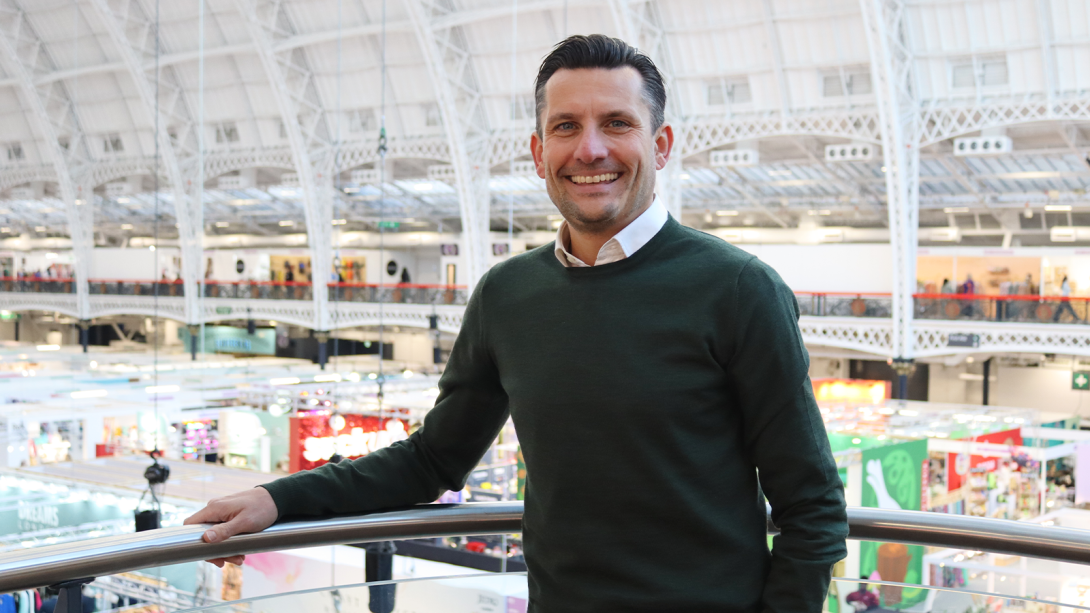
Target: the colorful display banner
pixel 959 465
pixel 315 438
pixel 852 391
pixel 229 339
pixel 893 478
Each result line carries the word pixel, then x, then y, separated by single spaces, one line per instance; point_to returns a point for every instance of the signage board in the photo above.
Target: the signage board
pixel 38 510
pixel 315 438
pixel 1080 380
pixel 389 224
pixel 963 339
pixel 223 310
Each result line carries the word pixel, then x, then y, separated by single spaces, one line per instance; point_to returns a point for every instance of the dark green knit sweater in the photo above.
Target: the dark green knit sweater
pixel 647 394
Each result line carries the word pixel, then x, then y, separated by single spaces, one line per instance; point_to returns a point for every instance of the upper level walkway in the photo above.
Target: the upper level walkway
pixel 944 324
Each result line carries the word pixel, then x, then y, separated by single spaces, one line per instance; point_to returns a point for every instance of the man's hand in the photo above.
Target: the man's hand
pixel 241 513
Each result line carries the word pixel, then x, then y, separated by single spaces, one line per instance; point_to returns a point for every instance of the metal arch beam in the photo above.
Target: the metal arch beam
pixel 777 57
pixel 48 104
pixel 885 24
pixel 641 26
pixel 300 109
pixel 121 26
pixel 451 71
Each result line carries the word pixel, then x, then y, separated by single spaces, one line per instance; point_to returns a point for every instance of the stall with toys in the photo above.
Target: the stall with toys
pixel 981 461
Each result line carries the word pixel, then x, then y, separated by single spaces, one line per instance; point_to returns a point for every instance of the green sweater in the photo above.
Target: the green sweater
pixel 647 394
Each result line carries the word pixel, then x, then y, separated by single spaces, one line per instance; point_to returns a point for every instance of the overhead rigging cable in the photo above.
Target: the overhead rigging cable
pixel 515 107
pixel 381 220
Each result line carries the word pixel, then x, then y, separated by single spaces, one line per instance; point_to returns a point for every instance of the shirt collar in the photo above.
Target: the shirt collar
pixel 630 239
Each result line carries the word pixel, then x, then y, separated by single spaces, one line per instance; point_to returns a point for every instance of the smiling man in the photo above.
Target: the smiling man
pixel 656 377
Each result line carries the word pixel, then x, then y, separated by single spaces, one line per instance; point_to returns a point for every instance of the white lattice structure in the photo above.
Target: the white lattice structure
pixel 865 334
pixel 931 338
pixel 57 303
pixel 148 306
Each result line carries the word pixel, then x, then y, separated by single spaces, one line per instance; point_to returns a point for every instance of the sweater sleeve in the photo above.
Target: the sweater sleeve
pixel 468 415
pixel 786 440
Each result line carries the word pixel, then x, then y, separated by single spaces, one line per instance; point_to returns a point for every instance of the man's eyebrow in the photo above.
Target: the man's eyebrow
pixel 609 115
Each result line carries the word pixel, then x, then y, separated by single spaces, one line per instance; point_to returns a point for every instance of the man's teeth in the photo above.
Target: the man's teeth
pixel 595 179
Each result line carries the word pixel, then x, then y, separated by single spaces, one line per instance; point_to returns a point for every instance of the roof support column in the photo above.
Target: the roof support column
pixel 885 24
pixel 308 135
pixel 640 25
pixel 446 53
pixel 136 36
pixel 53 114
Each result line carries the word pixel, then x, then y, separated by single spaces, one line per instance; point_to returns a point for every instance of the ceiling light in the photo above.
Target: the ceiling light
pixel 126 226
pixel 39 228
pixel 285 223
pixel 122 200
pixel 49 347
pixel 726 213
pixel 151 247
pixel 333 378
pixel 884 169
pixel 5 230
pixel 222 224
pixel 243 201
pixel 1058 208
pixel 351 190
pixel 956 209
pixel 51 256
pixel 284 381
pixel 825 212
pixel 339 222
pixel 424 187
pixel 778 173
pixel 684 176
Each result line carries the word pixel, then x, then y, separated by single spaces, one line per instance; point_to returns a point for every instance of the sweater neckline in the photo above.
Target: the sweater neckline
pixel 654 245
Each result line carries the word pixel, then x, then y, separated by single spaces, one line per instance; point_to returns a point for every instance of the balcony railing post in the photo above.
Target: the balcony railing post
pixel 70 595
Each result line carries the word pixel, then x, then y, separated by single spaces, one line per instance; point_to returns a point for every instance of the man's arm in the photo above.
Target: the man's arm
pixel 786 440
pixel 468 414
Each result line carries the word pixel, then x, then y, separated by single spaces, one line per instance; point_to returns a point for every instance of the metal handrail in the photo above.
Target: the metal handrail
pixel 43 566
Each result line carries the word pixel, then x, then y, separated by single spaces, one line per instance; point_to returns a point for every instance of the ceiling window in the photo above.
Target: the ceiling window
pixel 522 108
pixel 227 132
pixel 849 82
pixel 362 120
pixel 724 92
pixel 432 116
pixel 15 152
pixel 986 71
pixel 111 143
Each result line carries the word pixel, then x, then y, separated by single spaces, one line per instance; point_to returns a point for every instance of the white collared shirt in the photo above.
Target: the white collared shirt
pixel 622 245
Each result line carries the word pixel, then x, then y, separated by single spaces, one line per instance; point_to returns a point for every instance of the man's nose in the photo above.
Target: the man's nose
pixel 592 147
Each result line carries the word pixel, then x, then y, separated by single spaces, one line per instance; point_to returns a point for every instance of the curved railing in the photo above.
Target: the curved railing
pixel 56 564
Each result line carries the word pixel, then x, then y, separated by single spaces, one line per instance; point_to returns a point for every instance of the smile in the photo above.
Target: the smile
pixel 606 178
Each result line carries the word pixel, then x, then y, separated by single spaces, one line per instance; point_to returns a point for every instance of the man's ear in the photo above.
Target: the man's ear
pixel 537 148
pixel 664 145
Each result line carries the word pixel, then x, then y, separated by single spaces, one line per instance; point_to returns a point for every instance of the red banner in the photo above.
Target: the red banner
pixel 315 438
pixel 958 465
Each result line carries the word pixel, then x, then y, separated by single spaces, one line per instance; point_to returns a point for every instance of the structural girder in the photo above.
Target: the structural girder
pixel 885 24
pixel 53 114
pixel 450 67
pixel 136 37
pixel 309 137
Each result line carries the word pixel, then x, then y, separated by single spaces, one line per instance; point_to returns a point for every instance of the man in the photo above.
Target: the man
pixel 651 370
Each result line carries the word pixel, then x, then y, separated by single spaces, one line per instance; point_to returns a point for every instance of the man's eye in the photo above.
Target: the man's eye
pixel 618 123
pixel 567 125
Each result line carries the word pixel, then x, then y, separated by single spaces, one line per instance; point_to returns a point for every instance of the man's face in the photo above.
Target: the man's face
pixel 597 152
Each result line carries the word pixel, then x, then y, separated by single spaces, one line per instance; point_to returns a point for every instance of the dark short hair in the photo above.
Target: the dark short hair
pixel 601 51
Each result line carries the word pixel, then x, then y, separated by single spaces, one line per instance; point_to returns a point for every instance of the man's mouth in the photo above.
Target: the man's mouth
pixel 608 177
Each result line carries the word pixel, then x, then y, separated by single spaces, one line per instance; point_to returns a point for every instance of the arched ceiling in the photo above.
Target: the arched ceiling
pixel 785 77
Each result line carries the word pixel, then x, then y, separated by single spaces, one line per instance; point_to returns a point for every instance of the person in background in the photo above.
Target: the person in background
pixel 1065 305
pixel 1030 289
pixel 947 287
pixel 863 599
pixel 289 273
pixel 969 287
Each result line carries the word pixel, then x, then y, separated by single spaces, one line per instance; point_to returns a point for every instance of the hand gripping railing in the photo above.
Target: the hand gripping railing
pixel 77 563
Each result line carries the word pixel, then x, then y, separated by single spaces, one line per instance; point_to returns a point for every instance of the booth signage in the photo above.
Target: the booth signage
pixel 314 439
pixel 37 511
pixel 963 339
pixel 223 310
pixel 1080 380
pixel 229 339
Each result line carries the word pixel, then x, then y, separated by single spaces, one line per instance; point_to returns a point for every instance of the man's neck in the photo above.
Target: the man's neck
pixel 586 245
